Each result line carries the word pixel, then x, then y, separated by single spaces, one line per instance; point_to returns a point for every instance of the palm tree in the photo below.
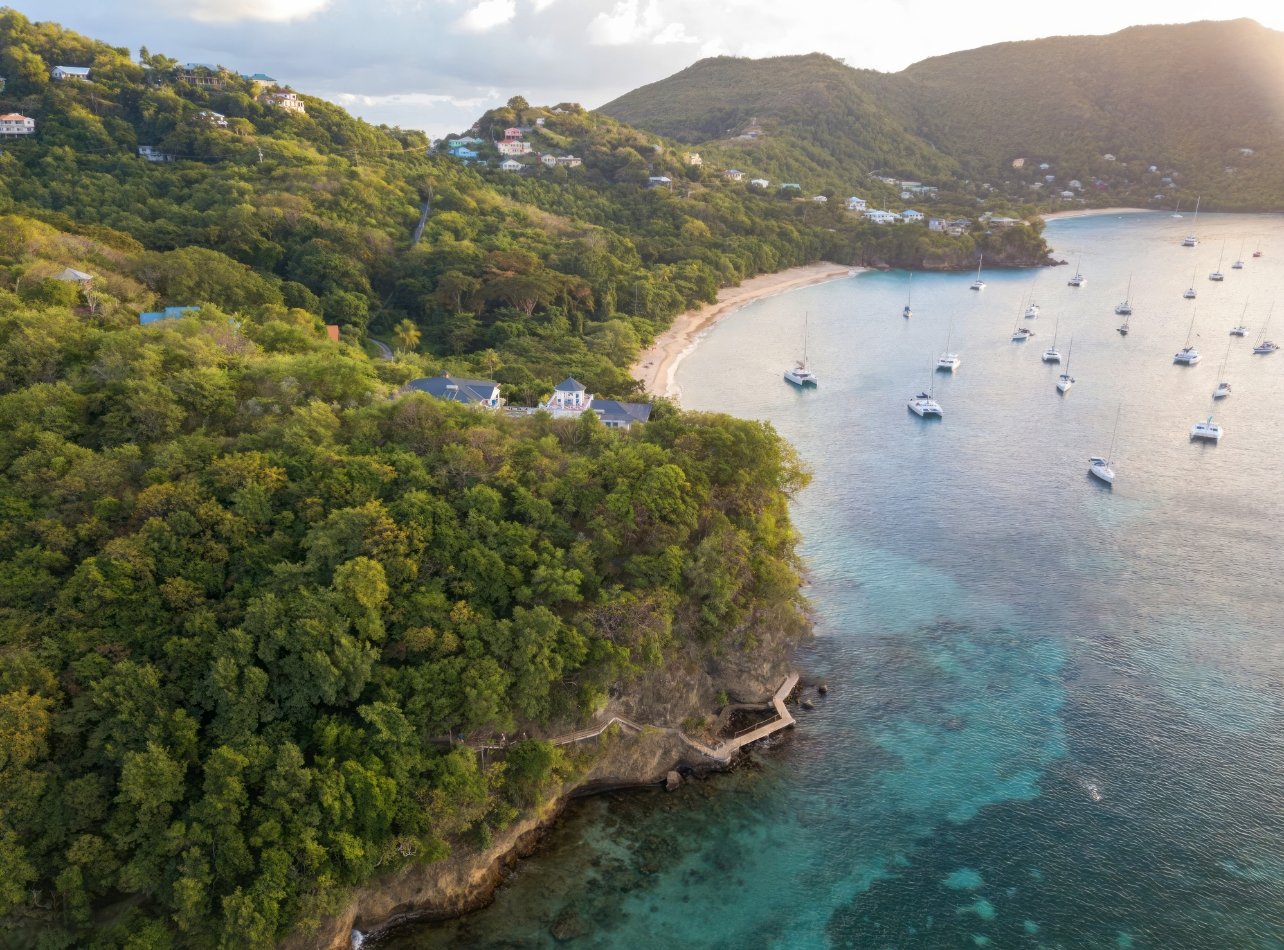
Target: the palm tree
pixel 406 334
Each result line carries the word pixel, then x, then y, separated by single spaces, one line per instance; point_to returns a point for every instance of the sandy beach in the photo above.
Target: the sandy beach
pixel 658 364
pixel 1090 212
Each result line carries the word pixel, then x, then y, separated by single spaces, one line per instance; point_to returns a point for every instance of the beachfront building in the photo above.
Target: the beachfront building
pixel 570 401
pixel 483 393
pixel 14 124
pixel 80 73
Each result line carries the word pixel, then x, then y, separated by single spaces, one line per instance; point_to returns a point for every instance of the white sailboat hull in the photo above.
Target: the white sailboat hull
pixel 1100 468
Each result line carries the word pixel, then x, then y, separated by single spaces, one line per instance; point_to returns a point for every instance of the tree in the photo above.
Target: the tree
pixel 407 335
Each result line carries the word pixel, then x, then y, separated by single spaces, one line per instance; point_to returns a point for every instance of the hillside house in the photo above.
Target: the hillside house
pixel 569 161
pixel 856 204
pixel 1067 195
pixel 937 224
pixel 539 123
pixel 1074 184
pixel 152 154
pixel 733 174
pixel 882 217
pixel 820 199
pixel 549 161
pixel 71 274
pixel 202 74
pixel 483 393
pixel 467 154
pixel 759 183
pixel 570 401
pixel 1049 178
pixel 660 181
pixel 693 158
pixel 285 99
pixel 213 118
pixel 464 142
pixel 259 81
pixel 513 135
pixel 80 73
pixel 13 123
pixel 912 216
pixel 1002 222
pixel 514 147
pixel 511 165
pixel 1107 157
pixel 1044 166
pixel 791 186
pixel 1018 163
pixel 169 313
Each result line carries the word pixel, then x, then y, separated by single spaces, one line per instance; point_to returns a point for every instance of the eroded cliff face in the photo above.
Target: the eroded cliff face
pixel 684 690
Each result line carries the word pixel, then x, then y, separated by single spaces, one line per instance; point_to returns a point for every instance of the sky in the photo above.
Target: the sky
pixel 438 64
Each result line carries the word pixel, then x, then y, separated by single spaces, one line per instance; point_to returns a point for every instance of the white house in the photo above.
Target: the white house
pixel 882 217
pixel 693 158
pixel 1067 194
pixel 733 174
pixel 570 401
pixel 759 182
pixel 287 100
pixel 569 161
pixel 909 214
pixel 1044 166
pixel 856 204
pixel 1075 184
pixel 659 181
pixel 1018 163
pixel 213 118
pixel 153 154
pixel 1107 157
pixel 14 124
pixel 70 72
pixel 513 147
pixel 548 160
pixel 511 165
pixel 820 199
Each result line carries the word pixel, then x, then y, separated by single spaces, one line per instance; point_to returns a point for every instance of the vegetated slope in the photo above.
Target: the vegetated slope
pixel 820 122
pixel 1184 98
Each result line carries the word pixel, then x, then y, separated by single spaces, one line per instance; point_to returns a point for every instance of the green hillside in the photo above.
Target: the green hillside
pixel 1185 99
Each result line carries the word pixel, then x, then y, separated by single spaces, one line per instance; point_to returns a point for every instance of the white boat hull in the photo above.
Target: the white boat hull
pixel 1206 431
pixel 1100 468
pixel 1064 384
pixel 1222 391
pixel 1186 357
pixel 925 407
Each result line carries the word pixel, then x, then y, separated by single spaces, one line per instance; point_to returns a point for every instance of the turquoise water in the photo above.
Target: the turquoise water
pixel 1001 635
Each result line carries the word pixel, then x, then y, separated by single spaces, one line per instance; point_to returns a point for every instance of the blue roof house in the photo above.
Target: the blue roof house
pixel 569 400
pixel 468 392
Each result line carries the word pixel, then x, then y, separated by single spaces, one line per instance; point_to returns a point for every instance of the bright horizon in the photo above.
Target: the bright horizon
pixel 437 65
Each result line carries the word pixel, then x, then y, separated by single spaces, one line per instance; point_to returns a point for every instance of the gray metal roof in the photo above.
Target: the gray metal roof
pixel 569 385
pixel 612 410
pixel 455 389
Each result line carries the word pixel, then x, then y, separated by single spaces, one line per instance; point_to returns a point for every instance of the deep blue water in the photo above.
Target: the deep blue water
pixel 998 632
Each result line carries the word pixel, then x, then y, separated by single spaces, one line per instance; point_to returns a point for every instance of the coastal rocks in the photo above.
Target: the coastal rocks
pixel 569 925
pixel 672 780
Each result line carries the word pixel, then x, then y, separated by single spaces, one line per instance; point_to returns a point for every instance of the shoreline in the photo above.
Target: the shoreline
pixel 657 366
pixel 1091 212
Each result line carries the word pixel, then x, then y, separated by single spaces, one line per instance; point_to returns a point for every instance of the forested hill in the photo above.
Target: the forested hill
pixel 1185 99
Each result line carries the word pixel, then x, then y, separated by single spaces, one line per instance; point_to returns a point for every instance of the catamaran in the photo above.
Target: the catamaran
pixel 1209 431
pixel 800 374
pixel 1240 329
pixel 1077 280
pixel 1190 240
pixel 1124 307
pixel 925 406
pixel 978 284
pixel 1264 346
pixel 948 362
pixel 1239 260
pixel 1188 355
pixel 1190 291
pixel 1052 354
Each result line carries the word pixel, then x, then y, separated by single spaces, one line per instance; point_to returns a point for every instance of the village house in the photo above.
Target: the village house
pixel 569 161
pixel 791 186
pixel 1044 166
pixel 856 204
pixel 259 81
pixel 202 74
pixel 909 214
pixel 464 142
pixel 1018 163
pixel 14 124
pixel 483 393
pixel 285 99
pixel 467 154
pixel 733 174
pixel 548 160
pixel 659 181
pixel 153 154
pixel 1067 195
pixel 539 123
pixel 882 217
pixel 511 165
pixel 569 400
pixel 1075 184
pixel 760 182
pixel 937 224
pixel 169 313
pixel 213 118
pixel 513 134
pixel 693 158
pixel 820 199
pixel 1002 222
pixel 70 72
pixel 514 147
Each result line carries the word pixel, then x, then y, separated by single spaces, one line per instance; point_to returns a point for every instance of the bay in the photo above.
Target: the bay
pixel 1056 710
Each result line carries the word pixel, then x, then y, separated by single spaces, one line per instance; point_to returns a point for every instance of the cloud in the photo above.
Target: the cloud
pixel 629 22
pixel 356 100
pixel 487 15
pixel 232 11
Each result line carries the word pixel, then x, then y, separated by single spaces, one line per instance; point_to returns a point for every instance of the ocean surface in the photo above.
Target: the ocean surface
pixel 1056 710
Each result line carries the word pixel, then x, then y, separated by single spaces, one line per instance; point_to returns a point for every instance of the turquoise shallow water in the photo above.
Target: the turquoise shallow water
pixel 1000 634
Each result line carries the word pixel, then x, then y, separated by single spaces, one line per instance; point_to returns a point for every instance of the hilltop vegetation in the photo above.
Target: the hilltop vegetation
pixel 1185 99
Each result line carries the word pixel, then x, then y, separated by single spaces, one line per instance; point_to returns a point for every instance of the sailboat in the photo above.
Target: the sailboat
pixel 978 284
pixel 1264 346
pixel 948 361
pixel 1208 431
pixel 1190 240
pixel 1240 329
pixel 1123 327
pixel 1032 310
pixel 800 374
pixel 1239 260
pixel 1188 355
pixel 1257 252
pixel 1124 308
pixel 1099 466
pixel 1223 388
pixel 1177 210
pixel 1052 354
pixel 924 405
pixel 1190 291
pixel 1019 333
pixel 1078 280
pixel 1217 274
pixel 907 312
pixel 1065 380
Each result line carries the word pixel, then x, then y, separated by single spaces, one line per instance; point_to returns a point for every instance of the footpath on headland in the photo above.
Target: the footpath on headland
pixel 656 367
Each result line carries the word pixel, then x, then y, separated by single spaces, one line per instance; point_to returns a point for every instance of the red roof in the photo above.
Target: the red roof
pixel 13 115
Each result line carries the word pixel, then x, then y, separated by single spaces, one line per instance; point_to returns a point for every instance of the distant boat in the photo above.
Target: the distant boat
pixel 1240 329
pixel 978 284
pixel 1124 308
pixel 925 406
pixel 1264 346
pixel 1190 292
pixel 1065 380
pixel 948 362
pixel 1032 311
pixel 1101 467
pixel 1223 388
pixel 1258 251
pixel 1191 240
pixel 1188 355
pixel 1208 431
pixel 801 374
pixel 1177 210
pixel 1078 280
pixel 907 312
pixel 1239 259
pixel 1217 275
pixel 1052 354
pixel 1123 327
